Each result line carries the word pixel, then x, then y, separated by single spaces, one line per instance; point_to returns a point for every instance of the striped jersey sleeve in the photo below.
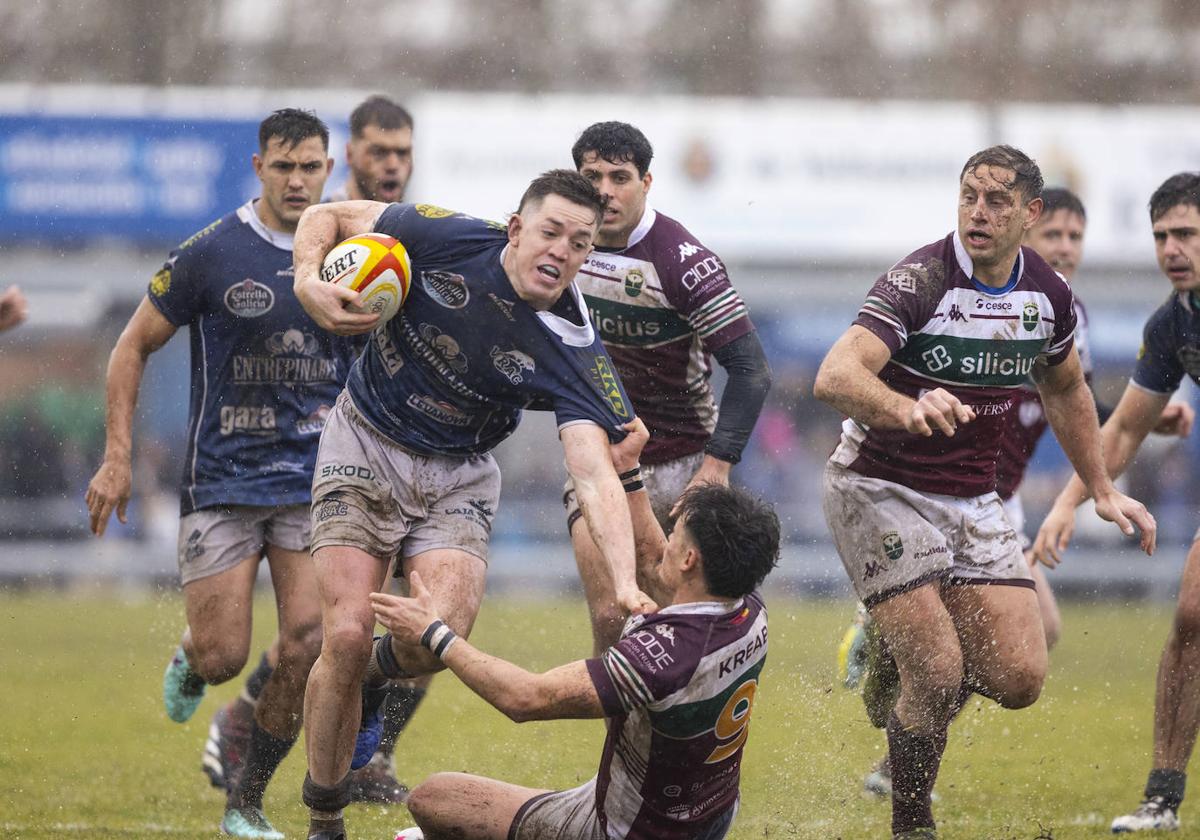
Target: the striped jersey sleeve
pixel 697 285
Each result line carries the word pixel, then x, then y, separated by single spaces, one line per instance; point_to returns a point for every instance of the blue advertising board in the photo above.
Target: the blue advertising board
pixel 154 181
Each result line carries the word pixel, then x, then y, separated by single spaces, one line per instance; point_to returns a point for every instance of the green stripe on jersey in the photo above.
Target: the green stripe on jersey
pixel 688 720
pixel 635 326
pixel 979 362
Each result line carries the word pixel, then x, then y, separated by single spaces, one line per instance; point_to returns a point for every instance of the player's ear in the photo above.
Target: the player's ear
pixel 647 179
pixel 328 167
pixel 514 227
pixel 258 164
pixel 1034 209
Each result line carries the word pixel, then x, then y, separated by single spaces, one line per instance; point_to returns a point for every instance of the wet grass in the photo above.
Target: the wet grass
pixel 86 749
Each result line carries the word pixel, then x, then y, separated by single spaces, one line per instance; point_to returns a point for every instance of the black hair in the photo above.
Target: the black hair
pixel 1181 188
pixel 737 535
pixel 615 142
pixel 1027 177
pixel 1061 198
pixel 380 111
pixel 570 185
pixel 292 126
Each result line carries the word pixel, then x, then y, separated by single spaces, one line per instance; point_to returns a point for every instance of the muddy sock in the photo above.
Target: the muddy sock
pixel 262 758
pixel 1169 784
pixel 914 761
pixel 402 702
pixel 257 679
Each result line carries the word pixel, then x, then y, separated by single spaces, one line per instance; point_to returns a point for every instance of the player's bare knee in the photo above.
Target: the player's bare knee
pixel 218 663
pixel 423 799
pixel 1022 686
pixel 300 645
pixel 346 646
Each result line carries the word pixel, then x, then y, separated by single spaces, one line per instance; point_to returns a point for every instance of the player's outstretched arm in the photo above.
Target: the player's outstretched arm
pixel 14 308
pixel 1097 455
pixel 602 500
pixel 564 692
pixel 648 538
pixel 848 379
pixel 321 227
pixel 112 484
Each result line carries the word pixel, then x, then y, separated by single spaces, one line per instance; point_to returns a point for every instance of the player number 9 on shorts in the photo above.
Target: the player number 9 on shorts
pixel 374 265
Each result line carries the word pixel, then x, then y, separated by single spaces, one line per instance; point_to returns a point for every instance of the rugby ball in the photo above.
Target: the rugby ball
pixel 374 265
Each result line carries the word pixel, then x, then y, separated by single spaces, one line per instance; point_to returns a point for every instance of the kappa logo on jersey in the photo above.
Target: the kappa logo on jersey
pixel 687 249
pixel 249 299
pixel 445 346
pixel 432 211
pixel 1030 316
pixel 666 631
pixel 439 410
pixel 607 380
pixel 893 548
pixel 512 363
pixel 293 341
pixel 634 280
pixel 505 306
pixel 448 289
pixel 905 277
pixel 160 283
pixel 955 314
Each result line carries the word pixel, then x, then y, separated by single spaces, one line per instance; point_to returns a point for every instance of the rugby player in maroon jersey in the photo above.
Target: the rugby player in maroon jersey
pixel 926 375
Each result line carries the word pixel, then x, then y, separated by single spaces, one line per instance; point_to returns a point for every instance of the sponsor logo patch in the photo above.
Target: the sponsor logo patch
pixel 347 471
pixel 478 511
pixel 687 249
pixel 893 547
pixel 512 363
pixel 904 278
pixel 193 548
pixel 607 380
pixel 439 410
pixel 505 306
pixel 331 508
pixel 448 289
pixel 955 314
pixel 313 423
pixel 432 211
pixel 445 346
pixel 249 299
pixel 160 283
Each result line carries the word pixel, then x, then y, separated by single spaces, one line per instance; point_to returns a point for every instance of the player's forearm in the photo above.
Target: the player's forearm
pixel 123 380
pixel 1071 413
pixel 859 393
pixel 649 543
pixel 1119 442
pixel 742 400
pixel 316 234
pixel 602 500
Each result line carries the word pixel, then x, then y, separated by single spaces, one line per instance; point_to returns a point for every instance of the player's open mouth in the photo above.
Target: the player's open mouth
pixel 389 186
pixel 296 201
pixel 977 237
pixel 549 272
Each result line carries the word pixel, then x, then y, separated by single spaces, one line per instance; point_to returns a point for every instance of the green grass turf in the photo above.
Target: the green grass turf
pixel 85 748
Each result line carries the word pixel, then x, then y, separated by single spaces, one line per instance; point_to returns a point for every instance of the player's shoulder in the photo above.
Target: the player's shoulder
pixel 208 237
pixel 672 243
pixel 1178 306
pixel 429 221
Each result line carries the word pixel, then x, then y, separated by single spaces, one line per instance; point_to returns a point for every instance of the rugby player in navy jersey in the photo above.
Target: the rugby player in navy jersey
pixel 677 688
pixel 264 377
pixel 664 307
pixel 379 152
pixel 492 326
pixel 926 374
pixel 1170 351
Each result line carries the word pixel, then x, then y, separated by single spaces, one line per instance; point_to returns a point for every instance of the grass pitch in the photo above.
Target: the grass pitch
pixel 86 749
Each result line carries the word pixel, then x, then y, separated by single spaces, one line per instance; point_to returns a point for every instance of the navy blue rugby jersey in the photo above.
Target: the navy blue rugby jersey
pixel 450 374
pixel 1170 345
pixel 264 375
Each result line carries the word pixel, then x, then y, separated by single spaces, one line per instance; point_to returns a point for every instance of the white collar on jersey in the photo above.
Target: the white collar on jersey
pixel 643 227
pixel 249 215
pixel 968 265
pixel 704 607
pixel 572 334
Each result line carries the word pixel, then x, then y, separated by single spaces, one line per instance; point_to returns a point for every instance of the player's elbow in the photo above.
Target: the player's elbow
pixel 825 385
pixel 526 703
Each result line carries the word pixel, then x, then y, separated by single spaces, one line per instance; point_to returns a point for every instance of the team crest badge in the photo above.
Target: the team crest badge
pixel 906 277
pixel 634 280
pixel 893 548
pixel 432 211
pixel 1030 316
pixel 161 282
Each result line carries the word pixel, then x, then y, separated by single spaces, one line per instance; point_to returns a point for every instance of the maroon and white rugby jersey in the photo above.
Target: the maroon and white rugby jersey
pixel 948 330
pixel 1026 421
pixel 661 304
pixel 678 689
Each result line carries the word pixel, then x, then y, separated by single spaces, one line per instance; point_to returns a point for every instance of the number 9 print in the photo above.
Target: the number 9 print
pixel 733 723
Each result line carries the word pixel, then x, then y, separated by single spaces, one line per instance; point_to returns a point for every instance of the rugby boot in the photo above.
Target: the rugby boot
pixel 852 652
pixel 916 834
pixel 227 742
pixel 377 782
pixel 1154 814
pixel 879 781
pixel 183 688
pixel 249 822
pixel 881 686
pixel 370 733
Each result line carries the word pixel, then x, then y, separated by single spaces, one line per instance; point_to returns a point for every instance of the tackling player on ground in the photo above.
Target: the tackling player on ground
pixel 264 376
pixel 1170 351
pixel 677 688
pixel 662 303
pixel 926 375
pixel 492 326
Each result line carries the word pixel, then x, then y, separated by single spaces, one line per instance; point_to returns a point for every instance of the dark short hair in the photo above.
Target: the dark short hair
pixel 1061 198
pixel 570 185
pixel 1027 177
pixel 615 142
pixel 380 111
pixel 737 535
pixel 1181 188
pixel 292 126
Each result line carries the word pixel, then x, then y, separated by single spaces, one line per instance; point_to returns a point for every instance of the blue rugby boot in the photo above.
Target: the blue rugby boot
pixel 183 688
